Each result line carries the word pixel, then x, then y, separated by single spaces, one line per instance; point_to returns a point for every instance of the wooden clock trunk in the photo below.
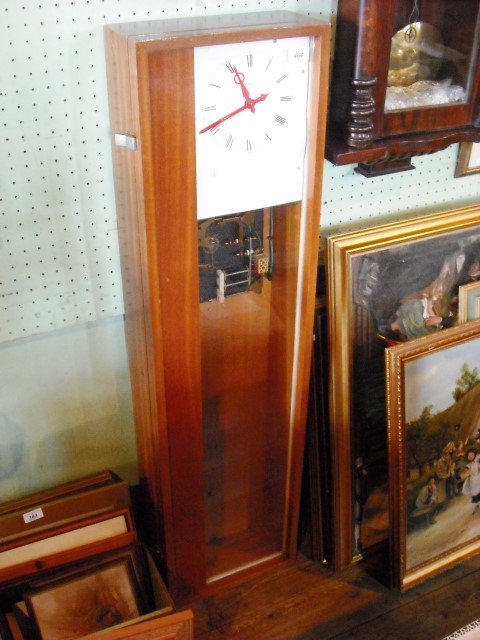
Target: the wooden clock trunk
pixel 219 388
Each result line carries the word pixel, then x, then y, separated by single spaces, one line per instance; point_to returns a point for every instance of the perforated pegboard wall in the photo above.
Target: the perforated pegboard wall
pixel 59 261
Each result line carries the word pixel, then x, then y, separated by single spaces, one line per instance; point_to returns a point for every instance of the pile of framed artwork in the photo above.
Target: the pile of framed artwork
pixel 47 529
pixel 315 532
pixel 403 303
pixel 71 566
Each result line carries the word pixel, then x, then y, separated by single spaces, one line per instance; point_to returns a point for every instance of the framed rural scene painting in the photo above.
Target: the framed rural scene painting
pixel 434 452
pixel 386 285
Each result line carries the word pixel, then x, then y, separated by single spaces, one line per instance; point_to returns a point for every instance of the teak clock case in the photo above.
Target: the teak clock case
pixel 180 350
pixel 360 130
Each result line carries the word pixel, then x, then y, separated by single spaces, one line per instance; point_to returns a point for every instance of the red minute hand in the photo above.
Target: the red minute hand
pixel 260 98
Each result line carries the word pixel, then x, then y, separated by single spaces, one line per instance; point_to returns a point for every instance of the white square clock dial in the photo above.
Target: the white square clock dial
pixel 251 119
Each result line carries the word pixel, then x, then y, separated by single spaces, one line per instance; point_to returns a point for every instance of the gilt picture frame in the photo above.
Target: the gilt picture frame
pixel 468 159
pixel 372 274
pixel 433 402
pixel 469 302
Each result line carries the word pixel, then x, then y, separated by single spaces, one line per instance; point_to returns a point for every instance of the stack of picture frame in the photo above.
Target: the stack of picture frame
pixel 71 566
pixel 315 514
pixel 403 390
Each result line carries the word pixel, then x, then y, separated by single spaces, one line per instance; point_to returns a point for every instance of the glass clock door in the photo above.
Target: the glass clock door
pixel 433 54
pixel 247 309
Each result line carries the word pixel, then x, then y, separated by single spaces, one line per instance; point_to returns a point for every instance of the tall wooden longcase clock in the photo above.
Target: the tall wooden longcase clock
pixel 218 139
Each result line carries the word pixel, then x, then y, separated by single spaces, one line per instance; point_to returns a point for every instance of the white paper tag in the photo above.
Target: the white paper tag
pixel 31 516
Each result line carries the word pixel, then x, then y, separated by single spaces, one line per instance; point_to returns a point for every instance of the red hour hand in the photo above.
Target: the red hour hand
pixel 260 98
pixel 239 78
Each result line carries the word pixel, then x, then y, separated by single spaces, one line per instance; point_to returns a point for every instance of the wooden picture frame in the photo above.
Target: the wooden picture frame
pixel 369 273
pixel 53 516
pixel 64 490
pixel 433 397
pixel 469 302
pixel 315 520
pixel 177 626
pixel 135 554
pixel 468 159
pixel 88 600
pixel 71 542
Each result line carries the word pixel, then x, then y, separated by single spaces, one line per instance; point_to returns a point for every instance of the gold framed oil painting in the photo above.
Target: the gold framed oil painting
pixel 433 392
pixel 385 285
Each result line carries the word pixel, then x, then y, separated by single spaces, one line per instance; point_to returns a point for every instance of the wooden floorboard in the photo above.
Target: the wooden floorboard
pixel 309 602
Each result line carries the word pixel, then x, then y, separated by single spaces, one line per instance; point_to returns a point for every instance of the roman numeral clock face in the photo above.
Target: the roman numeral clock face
pixel 251 124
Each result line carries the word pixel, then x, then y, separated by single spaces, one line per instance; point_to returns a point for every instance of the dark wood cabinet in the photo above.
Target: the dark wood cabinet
pixel 405 81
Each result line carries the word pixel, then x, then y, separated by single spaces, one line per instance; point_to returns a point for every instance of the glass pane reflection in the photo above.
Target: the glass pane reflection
pixel 432 55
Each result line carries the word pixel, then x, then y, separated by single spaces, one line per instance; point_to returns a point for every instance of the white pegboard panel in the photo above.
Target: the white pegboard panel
pixel 58 253
pixel 59 262
pixel 349 198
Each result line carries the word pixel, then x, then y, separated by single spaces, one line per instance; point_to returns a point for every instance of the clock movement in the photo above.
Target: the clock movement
pixel 405 81
pixel 218 140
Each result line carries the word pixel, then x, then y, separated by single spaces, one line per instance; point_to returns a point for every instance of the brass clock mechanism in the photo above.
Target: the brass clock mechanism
pixel 231 253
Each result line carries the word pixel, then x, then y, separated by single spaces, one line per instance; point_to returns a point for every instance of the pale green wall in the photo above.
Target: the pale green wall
pixel 65 408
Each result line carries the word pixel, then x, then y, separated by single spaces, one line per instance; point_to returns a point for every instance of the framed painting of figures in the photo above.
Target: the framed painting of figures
pixel 433 400
pixel 386 285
